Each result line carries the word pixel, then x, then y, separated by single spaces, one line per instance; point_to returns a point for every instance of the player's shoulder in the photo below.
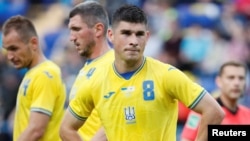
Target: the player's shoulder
pixel 52 67
pixel 95 74
pixel 244 108
pixel 105 58
pixel 99 62
pixel 158 65
pixel 244 111
pixel 47 69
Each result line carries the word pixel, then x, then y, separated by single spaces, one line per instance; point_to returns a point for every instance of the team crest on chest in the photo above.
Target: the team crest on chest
pixel 129 113
pixel 90 72
pixel 25 86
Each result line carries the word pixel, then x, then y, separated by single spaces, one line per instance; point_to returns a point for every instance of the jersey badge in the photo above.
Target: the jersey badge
pixel 128 90
pixel 129 113
pixel 90 72
pixel 25 86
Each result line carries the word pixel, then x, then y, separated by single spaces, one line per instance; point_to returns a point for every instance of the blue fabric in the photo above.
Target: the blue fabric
pixel 127 75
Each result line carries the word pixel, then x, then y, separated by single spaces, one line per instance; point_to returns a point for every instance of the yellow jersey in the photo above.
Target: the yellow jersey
pixel 143 107
pixel 93 123
pixel 41 90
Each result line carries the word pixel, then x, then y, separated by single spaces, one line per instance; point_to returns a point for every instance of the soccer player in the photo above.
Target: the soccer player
pixel 88 24
pixel 136 97
pixel 41 95
pixel 231 81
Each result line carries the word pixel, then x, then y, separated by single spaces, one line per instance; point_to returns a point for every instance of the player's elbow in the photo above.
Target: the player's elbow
pixel 219 115
pixel 66 132
pixel 63 132
pixel 37 133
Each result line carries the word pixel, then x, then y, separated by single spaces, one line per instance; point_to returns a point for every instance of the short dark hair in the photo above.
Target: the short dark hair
pixel 22 25
pixel 232 63
pixel 91 13
pixel 129 13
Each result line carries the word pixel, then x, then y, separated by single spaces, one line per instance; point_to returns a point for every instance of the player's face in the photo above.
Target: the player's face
pixel 232 82
pixel 82 36
pixel 18 52
pixel 129 40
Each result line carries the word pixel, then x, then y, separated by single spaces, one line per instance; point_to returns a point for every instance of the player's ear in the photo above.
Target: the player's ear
pixel 99 29
pixel 147 34
pixel 218 81
pixel 34 42
pixel 110 35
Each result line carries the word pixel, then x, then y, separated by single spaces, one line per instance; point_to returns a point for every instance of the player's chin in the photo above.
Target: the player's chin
pixel 132 59
pixel 235 95
pixel 17 65
pixel 82 53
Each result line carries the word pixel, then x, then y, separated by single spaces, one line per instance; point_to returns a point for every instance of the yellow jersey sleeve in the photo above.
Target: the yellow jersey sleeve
pixel 42 90
pixel 82 105
pixel 183 88
pixel 45 91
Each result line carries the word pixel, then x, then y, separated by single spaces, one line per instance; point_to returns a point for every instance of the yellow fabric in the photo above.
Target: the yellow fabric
pixel 142 108
pixel 41 90
pixel 93 123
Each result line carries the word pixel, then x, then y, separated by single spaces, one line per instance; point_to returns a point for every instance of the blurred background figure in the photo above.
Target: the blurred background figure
pixel 231 81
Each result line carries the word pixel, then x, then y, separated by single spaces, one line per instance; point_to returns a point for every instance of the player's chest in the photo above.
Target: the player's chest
pixel 24 87
pixel 25 91
pixel 134 91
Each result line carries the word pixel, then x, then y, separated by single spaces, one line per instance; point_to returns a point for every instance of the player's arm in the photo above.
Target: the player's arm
pixel 100 135
pixel 69 127
pixel 36 127
pixel 195 97
pixel 41 107
pixel 211 113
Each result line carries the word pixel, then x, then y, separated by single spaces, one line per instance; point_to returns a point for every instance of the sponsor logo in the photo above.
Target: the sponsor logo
pixel 109 95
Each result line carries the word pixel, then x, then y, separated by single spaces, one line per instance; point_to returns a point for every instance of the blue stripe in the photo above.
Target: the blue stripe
pixel 128 75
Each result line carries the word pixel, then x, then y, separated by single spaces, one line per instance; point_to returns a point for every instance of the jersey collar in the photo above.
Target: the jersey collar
pixel 222 105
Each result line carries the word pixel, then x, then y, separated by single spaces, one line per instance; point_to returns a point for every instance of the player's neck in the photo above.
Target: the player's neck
pixel 100 49
pixel 122 66
pixel 38 59
pixel 231 104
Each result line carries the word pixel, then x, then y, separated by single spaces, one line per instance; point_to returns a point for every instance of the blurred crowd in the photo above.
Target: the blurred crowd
pixel 196 36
